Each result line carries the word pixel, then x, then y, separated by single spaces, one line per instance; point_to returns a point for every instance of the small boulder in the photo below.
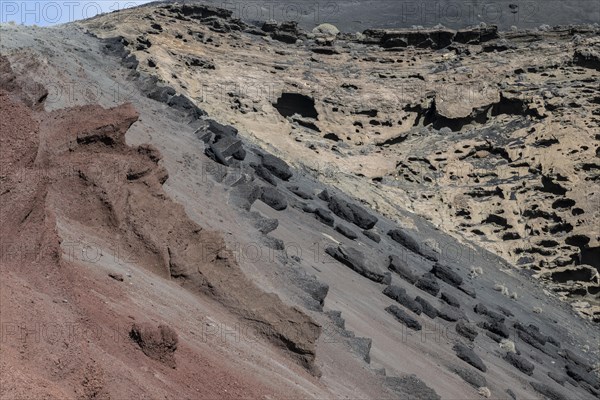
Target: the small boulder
pixel 346 231
pixel 399 294
pixel 264 174
pixel 473 378
pixel 402 317
pixel 157 343
pixel 428 309
pixel 450 300
pixel 549 392
pixel 352 213
pixel 300 193
pixel 428 283
pixel 372 235
pixel 520 363
pixel 273 198
pixel 446 274
pixel 469 356
pixel 116 276
pixel 408 241
pixel 277 166
pixel 324 216
pixel 328 31
pixel 356 261
pixel 466 330
pixel 399 266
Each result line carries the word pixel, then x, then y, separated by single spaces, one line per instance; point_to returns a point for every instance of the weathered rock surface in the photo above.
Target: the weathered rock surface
pixel 399 294
pixel 428 283
pixel 404 318
pixel 157 343
pixel 521 363
pixel 400 266
pixel 469 356
pixel 352 213
pixel 356 260
pixel 439 123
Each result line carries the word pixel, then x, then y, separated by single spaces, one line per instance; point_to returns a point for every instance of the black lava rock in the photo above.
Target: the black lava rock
pixel 520 363
pixel 324 216
pixel 428 309
pixel 324 195
pixel 399 266
pixel 277 166
pixel 473 378
pixel 403 317
pixel 300 193
pixel 372 235
pixel 581 375
pixel 466 330
pixel 273 198
pixel 356 261
pixel 498 328
pixel 428 283
pixel 411 387
pixel 451 314
pixel 410 243
pixel 346 231
pixel 548 391
pixel 352 213
pixel 469 356
pixel 450 300
pixel 446 274
pixel 399 294
pixel 483 310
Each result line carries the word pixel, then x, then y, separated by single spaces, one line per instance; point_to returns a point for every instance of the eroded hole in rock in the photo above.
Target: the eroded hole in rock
pixel 580 274
pixel 577 240
pixel 563 203
pixel 295 103
pixel 591 256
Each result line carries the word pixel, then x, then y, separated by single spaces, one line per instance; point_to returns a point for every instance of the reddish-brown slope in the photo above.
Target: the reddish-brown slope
pixel 71 170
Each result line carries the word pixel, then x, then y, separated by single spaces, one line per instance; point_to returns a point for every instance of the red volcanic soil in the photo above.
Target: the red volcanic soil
pixel 71 171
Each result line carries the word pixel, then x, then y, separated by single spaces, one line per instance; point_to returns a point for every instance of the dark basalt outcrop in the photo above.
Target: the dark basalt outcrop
pixel 346 231
pixel 410 386
pixel 428 283
pixel 446 274
pixel 410 242
pixel 428 309
pixel 356 261
pixel 431 38
pixel 399 266
pixel 273 198
pixel 352 213
pixel 520 363
pixel 466 330
pixel 399 294
pixel 276 166
pixel 404 318
pixel 469 356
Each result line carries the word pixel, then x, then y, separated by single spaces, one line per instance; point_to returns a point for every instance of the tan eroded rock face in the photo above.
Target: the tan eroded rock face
pixel 495 142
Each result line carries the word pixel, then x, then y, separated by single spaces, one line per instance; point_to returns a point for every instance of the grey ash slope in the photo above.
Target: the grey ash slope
pixel 264 188
pixel 488 134
pixel 231 185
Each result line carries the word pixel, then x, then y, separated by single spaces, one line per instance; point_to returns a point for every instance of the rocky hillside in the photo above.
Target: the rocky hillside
pixel 492 136
pixel 194 207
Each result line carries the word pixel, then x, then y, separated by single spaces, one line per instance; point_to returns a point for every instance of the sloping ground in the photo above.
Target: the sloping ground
pixel 394 321
pixel 68 174
pixel 493 138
